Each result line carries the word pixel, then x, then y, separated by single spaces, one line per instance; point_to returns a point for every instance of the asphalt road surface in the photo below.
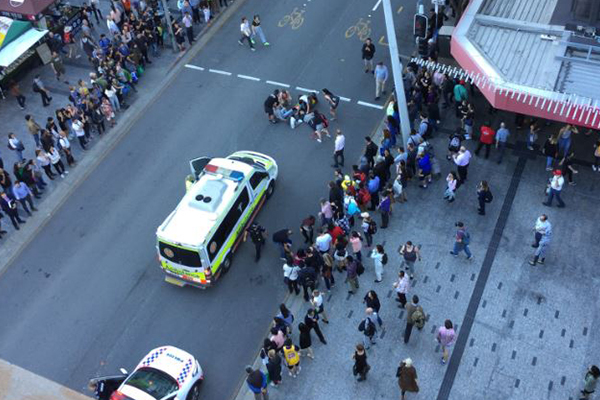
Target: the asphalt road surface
pixel 87 296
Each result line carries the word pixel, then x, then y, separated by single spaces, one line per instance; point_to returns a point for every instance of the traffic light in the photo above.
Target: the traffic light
pixel 423 47
pixel 420 25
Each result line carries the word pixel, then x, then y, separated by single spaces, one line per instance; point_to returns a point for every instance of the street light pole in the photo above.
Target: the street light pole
pixel 169 23
pixel 397 71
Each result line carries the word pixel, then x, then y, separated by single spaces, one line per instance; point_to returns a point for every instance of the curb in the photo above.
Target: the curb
pixel 16 243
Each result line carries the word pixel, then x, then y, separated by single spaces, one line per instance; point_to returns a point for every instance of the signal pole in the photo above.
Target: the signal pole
pixel 397 71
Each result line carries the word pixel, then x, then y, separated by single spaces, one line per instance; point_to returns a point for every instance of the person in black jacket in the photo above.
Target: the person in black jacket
pixel 305 340
pixel 336 194
pixel 368 51
pixel 307 277
pixel 9 205
pixel 370 151
pixel 312 321
pixel 274 368
pixel 372 301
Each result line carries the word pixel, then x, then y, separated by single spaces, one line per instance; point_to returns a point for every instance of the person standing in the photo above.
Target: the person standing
pixel 39 87
pixel 274 367
pixel 188 23
pixel 460 95
pixel 352 266
pixel 401 286
pixel 16 145
pixel 590 381
pixel 596 166
pixel 356 244
pixel 370 151
pixel 360 367
pixel 368 328
pixel 484 195
pixel 381 76
pixel 411 254
pixel 305 341
pixel 312 321
pixel 539 256
pixel 486 138
pixel 451 186
pixel 307 229
pixel 54 156
pixel 555 188
pixel 567 167
pixel 257 383
pixel 257 234
pixel 290 276
pixel 15 90
pixel 246 33
pixel 9 205
pixel 368 51
pixel 407 378
pixel 446 338
pixel 462 239
pixel 565 137
pixel 379 259
pixel 532 135
pixel 415 316
pixel 292 358
pixel 542 226
pixel 385 208
pixel 462 160
pixel 369 228
pixel 338 150
pixel 550 150
pixel 34 129
pixel 372 301
pixel 23 194
pixel 58 67
pixel 317 303
pixel 257 30
pixel 333 101
pixel 502 136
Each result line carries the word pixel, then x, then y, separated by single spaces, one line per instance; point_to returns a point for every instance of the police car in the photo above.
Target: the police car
pixel 166 373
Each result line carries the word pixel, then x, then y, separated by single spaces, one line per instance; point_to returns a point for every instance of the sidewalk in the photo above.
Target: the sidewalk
pixel 156 78
pixel 528 332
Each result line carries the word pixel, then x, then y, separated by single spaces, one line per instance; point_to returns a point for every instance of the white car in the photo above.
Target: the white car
pixel 166 373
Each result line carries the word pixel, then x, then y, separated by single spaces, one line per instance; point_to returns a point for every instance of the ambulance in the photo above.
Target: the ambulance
pixel 196 242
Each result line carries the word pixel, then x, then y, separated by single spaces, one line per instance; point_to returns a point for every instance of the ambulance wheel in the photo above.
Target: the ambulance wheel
pixel 270 189
pixel 226 264
pixel 194 393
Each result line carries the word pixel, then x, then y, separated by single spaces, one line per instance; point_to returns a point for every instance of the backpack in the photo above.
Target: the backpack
pixel 35 87
pixel 466 238
pixel 367 327
pixel 489 197
pixel 455 142
pixel 360 268
pixel 384 259
pixel 372 228
pixel 429 130
pixel 418 318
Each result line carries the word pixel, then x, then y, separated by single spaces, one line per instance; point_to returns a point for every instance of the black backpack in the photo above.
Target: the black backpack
pixel 384 259
pixel 372 227
pixel 360 268
pixel 489 196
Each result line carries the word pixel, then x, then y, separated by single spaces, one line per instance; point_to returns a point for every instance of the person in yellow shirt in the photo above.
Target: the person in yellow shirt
pixel 292 358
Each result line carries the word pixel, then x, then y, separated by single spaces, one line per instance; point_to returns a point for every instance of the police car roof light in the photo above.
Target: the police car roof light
pixel 236 175
pixel 211 168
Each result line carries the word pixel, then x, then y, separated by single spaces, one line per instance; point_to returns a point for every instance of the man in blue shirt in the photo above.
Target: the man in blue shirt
pixel 23 194
pixel 502 135
pixel 373 186
pixel 257 383
pixel 384 209
pixel 381 76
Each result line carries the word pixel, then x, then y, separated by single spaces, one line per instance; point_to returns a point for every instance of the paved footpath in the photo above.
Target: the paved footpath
pixel 524 332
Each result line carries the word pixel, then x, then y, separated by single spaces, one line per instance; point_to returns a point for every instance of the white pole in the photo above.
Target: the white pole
pixel 397 71
pixel 169 24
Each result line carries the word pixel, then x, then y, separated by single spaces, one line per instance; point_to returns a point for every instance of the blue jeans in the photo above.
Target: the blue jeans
pixel 459 246
pixel 549 161
pixel 553 193
pixel 261 34
pixel 36 138
pixel 501 147
pixel 564 145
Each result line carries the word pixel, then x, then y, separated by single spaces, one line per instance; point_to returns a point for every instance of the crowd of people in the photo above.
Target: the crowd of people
pixel 119 58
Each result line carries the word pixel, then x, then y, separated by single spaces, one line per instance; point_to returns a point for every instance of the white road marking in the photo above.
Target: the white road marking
pixel 190 66
pixel 306 90
pixel 218 71
pixel 278 83
pixel 362 103
pixel 250 78
pixel 345 99
pixel 377 5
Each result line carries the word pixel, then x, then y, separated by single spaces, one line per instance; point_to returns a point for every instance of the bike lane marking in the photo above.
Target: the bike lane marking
pixel 376 5
pixel 363 103
pixel 278 84
pixel 300 88
pixel 194 67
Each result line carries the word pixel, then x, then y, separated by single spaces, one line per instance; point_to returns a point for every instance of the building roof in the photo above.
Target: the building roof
pixel 522 47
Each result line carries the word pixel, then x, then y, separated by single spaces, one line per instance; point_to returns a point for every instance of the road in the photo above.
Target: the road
pixel 87 296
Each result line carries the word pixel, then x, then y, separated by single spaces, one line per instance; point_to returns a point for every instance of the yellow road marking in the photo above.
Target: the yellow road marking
pixel 400 10
pixel 382 41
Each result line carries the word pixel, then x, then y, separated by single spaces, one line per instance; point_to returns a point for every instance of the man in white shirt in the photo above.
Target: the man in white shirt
pixel 79 132
pixel 338 151
pixel 246 33
pixel 189 27
pixel 556 185
pixel 542 227
pixel 323 241
pixel 462 160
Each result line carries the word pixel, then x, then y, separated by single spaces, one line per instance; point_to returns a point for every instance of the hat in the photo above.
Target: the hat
pixel 68 29
pixel 365 215
pixel 557 172
pixel 462 82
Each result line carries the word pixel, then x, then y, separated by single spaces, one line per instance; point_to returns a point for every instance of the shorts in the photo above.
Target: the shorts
pixel 269 111
pixel 291 367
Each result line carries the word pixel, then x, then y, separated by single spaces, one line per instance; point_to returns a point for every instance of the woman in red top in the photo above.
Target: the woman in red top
pixel 486 138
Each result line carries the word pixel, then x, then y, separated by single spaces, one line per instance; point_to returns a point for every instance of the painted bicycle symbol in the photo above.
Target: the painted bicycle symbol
pixel 361 29
pixel 295 19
